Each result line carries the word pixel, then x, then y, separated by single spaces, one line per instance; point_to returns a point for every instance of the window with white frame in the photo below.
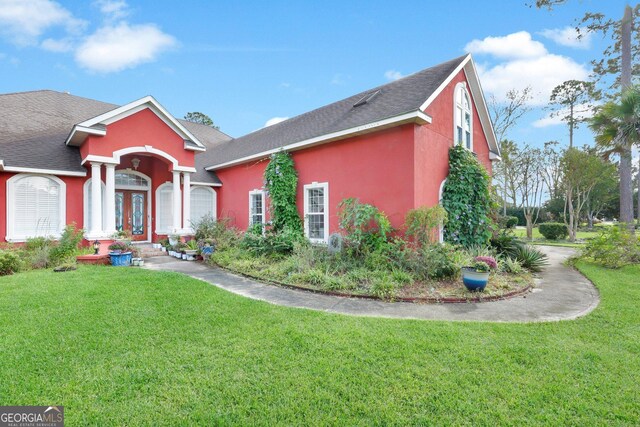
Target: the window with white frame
pixel 256 207
pixel 35 206
pixel 203 203
pixel 316 211
pixel 463 132
pixel 88 206
pixel 164 208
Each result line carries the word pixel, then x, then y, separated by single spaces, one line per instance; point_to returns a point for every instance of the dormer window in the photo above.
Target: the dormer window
pixel 462 120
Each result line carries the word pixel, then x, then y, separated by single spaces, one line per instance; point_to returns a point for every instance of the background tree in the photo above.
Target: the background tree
pixel 602 197
pixel 570 101
pixel 619 59
pixel 201 118
pixel 617 128
pixel 552 172
pixel 504 115
pixel 529 164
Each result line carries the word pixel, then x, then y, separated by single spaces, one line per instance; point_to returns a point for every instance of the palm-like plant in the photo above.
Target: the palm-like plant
pixel 617 129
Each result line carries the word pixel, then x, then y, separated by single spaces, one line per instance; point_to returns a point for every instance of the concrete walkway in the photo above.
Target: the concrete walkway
pixel 561 293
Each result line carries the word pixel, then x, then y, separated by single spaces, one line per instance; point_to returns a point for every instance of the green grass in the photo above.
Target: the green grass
pixel 136 347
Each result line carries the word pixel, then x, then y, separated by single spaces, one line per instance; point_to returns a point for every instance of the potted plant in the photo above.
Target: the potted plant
pixel 120 254
pixel 191 250
pixel 475 277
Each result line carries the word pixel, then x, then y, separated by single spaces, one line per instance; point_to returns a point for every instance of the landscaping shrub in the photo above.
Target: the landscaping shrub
pixel 553 230
pixel 270 242
pixel 614 247
pixel 510 265
pixel 34 243
pixel 423 223
pixel 366 227
pixel 467 200
pixel 511 222
pixel 9 263
pixel 530 258
pixel 67 248
pixel 505 244
pixel 220 232
pixel 40 257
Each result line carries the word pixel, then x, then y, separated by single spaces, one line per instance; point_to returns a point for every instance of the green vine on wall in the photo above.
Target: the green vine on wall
pixel 467 200
pixel 281 181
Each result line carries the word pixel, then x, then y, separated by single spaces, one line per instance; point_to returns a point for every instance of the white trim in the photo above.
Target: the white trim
pixel 11 237
pixel 325 187
pixel 134 107
pixel 1 165
pixel 441 227
pixel 79 133
pixel 41 171
pixel 411 117
pixel 169 229
pixel 85 204
pixel 214 198
pixel 206 184
pixel 445 83
pixel 494 156
pixel 260 193
pixel 462 86
pixel 138 149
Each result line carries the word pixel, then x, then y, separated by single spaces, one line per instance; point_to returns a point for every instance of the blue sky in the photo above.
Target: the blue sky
pixel 245 63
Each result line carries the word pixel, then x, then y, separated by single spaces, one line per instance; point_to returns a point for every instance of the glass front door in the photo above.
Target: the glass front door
pixel 131 208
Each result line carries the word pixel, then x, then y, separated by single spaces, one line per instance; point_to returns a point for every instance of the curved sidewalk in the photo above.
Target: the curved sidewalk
pixel 560 294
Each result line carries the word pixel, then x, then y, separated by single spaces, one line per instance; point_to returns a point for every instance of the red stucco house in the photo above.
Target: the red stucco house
pixel 156 174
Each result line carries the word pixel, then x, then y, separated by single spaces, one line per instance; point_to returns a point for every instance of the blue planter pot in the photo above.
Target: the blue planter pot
pixel 120 259
pixel 473 280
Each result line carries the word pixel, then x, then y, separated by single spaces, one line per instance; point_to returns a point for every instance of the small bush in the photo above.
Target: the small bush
pixel 439 262
pixel 510 265
pixel 422 223
pixel 530 258
pixel 510 222
pixel 219 231
pixel 271 242
pixel 9 263
pixel 67 247
pixel 505 244
pixel 614 247
pixel 366 227
pixel 40 257
pixel 34 243
pixel 553 230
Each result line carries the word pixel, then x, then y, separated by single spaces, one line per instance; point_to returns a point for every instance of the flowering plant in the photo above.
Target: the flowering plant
pixel 119 247
pixel 489 260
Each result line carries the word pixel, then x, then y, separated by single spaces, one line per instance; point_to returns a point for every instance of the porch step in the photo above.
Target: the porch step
pixel 146 250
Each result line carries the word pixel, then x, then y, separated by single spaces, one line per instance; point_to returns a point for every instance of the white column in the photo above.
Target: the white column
pixel 110 199
pixel 186 202
pixel 96 200
pixel 177 219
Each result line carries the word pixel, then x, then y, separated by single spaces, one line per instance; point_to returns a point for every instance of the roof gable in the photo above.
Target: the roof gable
pixel 97 125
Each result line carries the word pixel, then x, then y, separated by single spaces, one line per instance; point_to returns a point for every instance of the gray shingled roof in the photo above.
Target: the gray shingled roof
pixel 35 125
pixel 395 98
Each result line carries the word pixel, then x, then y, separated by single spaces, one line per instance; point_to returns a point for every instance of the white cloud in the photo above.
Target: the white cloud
pixel 515 45
pixel 53 45
pixel 393 75
pixel 113 9
pixel 568 36
pixel 115 48
pixel 542 74
pixel 275 120
pixel 581 112
pixel 23 21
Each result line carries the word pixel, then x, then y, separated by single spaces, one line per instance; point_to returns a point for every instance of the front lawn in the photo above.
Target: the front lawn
pixel 136 347
pixel 538 239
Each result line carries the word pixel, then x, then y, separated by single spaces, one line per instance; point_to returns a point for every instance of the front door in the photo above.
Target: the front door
pixel 131 208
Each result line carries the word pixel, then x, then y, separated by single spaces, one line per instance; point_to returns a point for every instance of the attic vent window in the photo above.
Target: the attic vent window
pixel 368 97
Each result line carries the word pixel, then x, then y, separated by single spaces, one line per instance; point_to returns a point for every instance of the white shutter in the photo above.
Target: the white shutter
pixel 164 208
pixel 36 206
pixel 202 203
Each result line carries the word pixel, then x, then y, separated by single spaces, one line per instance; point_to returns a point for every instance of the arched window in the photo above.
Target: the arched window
pixel 164 208
pixel 203 202
pixel 463 132
pixel 87 205
pixel 35 206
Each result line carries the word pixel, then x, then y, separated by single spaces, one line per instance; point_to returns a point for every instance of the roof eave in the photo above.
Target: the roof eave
pixel 417 117
pixel 79 133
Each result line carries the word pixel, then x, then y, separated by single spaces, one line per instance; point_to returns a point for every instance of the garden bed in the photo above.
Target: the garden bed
pixel 362 283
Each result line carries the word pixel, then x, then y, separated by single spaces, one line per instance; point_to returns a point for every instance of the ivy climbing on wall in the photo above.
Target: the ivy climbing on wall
pixel 281 181
pixel 467 200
